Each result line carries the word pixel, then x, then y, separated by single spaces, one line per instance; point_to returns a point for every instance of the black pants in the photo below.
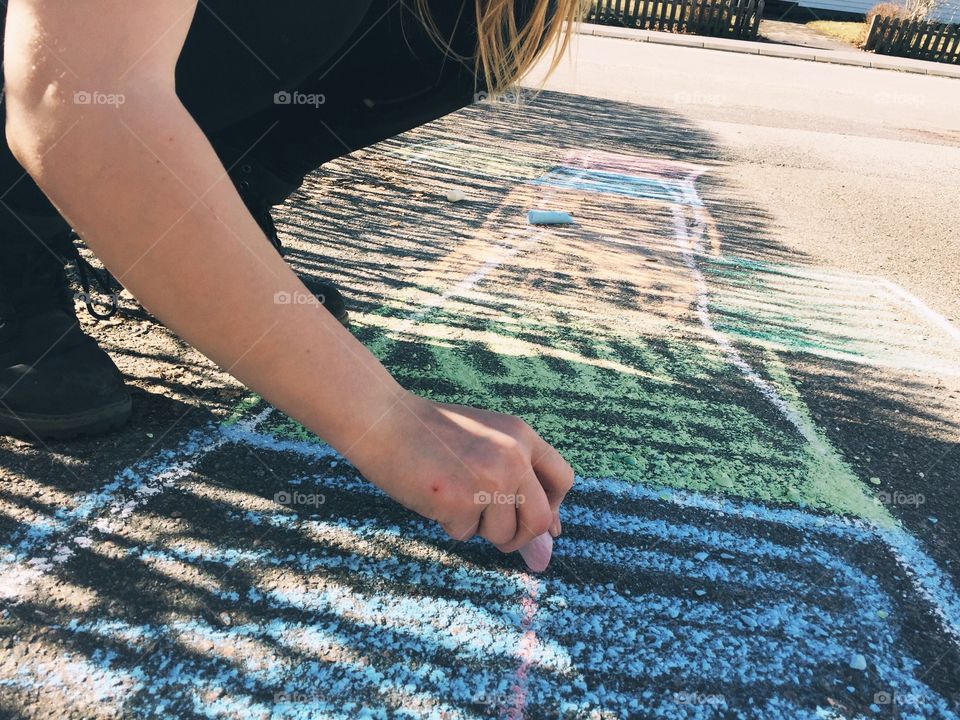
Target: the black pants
pixel 293 84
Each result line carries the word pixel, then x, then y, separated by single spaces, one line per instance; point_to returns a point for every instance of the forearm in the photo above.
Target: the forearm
pixel 145 190
pixel 142 185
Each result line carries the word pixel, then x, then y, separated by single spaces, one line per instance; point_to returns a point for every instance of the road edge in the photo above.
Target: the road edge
pixel 793 52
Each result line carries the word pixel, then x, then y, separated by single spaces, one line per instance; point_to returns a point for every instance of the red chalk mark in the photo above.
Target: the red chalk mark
pixel 525 649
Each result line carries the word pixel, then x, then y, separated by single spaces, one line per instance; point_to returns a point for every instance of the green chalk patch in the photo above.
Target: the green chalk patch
pixel 654 410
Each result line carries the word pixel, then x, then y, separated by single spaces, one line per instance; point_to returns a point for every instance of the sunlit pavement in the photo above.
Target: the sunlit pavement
pixel 758 390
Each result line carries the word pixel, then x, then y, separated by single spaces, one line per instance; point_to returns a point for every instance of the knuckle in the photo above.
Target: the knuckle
pixel 499 536
pixel 461 531
pixel 500 465
pixel 515 426
pixel 568 480
pixel 507 445
pixel 504 481
pixel 515 457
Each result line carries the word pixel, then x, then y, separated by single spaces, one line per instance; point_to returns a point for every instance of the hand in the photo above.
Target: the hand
pixel 475 472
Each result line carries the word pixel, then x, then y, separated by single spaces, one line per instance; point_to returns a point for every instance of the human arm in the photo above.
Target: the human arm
pixel 141 184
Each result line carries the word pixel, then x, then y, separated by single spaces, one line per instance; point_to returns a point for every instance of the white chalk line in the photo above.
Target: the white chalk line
pixel 166 473
pixel 931 315
pixel 113 500
pixel 176 470
pixel 465 286
pixel 528 639
pixel 842 529
pixel 929 581
pixel 180 462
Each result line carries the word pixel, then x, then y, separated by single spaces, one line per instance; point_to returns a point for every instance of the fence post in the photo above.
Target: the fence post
pixel 757 16
pixel 718 19
pixel 743 22
pixel 927 47
pixel 871 42
pixel 693 22
pixel 883 30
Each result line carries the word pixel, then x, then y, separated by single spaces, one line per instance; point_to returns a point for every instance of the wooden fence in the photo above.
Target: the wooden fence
pixel 920 39
pixel 718 18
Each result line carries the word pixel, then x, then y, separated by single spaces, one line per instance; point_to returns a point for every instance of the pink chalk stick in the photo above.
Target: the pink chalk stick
pixel 536 553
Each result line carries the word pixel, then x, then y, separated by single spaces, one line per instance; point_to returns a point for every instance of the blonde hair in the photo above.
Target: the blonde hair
pixel 505 52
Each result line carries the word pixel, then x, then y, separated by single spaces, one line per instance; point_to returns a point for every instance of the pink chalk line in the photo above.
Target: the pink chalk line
pixel 525 649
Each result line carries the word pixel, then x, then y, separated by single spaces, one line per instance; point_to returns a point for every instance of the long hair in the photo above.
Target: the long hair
pixel 506 51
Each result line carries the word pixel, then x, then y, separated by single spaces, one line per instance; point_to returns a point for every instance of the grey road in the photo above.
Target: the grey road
pixel 858 168
pixel 741 344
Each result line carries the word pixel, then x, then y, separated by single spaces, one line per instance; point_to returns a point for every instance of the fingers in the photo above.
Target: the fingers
pixel 531 478
pixel 533 514
pixel 498 523
pixel 553 472
pixel 461 530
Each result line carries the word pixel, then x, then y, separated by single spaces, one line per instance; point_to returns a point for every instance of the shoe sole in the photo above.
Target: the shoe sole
pixel 30 426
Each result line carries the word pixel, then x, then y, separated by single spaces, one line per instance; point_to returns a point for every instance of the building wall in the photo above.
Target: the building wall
pixel 946 10
pixel 851 6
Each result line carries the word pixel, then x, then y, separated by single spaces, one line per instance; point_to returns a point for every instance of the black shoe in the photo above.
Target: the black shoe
pixel 55 382
pixel 260 190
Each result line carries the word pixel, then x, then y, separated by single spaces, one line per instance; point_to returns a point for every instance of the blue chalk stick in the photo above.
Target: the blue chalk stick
pixel 549 217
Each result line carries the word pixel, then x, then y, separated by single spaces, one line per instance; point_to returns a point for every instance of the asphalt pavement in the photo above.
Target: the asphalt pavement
pixel 746 344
